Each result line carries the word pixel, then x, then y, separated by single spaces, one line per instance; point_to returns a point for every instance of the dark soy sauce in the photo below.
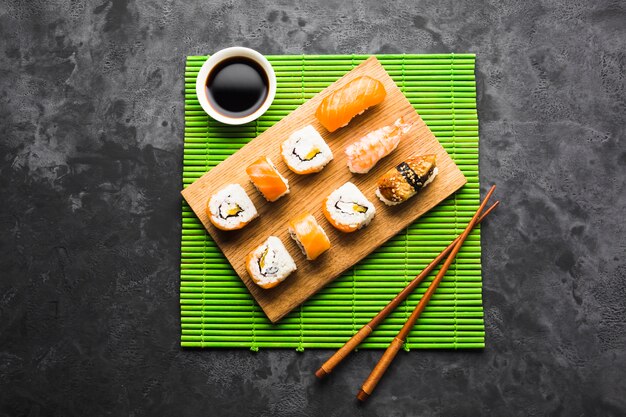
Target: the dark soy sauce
pixel 237 87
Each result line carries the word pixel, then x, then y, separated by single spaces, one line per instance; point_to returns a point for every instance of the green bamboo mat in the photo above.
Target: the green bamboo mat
pixel 216 308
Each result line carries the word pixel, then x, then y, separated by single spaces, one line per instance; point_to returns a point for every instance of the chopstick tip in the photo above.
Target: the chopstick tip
pixel 362 395
pixel 321 373
pixel 487 197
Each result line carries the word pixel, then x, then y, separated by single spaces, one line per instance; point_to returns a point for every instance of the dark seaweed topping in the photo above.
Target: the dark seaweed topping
pixel 293 151
pixel 228 215
pixel 351 213
pixel 412 178
pixel 272 270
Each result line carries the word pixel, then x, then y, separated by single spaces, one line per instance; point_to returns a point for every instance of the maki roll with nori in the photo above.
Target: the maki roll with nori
pixel 230 208
pixel 347 209
pixel 270 263
pixel 305 151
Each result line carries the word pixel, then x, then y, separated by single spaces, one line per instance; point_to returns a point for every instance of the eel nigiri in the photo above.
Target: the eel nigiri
pixel 371 148
pixel 267 179
pixel 407 179
pixel 341 105
pixel 309 236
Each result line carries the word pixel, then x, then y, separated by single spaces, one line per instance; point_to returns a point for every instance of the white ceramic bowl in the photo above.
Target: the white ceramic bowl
pixel 216 58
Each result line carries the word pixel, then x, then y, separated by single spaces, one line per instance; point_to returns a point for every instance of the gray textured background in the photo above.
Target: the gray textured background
pixel 91 125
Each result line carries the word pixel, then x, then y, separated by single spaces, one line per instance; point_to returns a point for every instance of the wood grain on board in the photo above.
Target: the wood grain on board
pixel 309 191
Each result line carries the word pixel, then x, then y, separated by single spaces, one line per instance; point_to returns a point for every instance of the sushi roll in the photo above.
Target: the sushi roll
pixel 305 152
pixel 407 179
pixel 341 105
pixel 309 236
pixel 267 179
pixel 269 263
pixel 371 148
pixel 347 209
pixel 230 208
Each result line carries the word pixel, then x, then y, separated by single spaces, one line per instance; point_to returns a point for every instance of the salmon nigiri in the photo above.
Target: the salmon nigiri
pixel 341 105
pixel 309 236
pixel 267 179
pixel 371 148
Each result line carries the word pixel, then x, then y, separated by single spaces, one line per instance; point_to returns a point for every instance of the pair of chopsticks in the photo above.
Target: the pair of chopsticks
pixel 381 367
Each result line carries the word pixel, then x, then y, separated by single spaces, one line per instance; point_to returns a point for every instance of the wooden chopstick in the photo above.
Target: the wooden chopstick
pixel 365 331
pixel 381 367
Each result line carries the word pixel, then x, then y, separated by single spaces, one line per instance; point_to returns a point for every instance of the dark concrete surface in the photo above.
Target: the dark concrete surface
pixel 91 126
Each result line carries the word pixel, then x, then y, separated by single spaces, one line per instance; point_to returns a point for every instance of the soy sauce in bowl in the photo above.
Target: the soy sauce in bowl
pixel 237 87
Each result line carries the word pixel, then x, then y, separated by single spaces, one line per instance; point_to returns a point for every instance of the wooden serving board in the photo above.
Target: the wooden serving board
pixel 309 191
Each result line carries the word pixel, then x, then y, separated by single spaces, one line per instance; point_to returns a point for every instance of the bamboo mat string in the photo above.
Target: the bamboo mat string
pixel 406 280
pixel 300 347
pixel 353 300
pixel 302 69
pixel 253 346
pixel 202 318
pixel 207 158
pixel 456 216
pixel 406 230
